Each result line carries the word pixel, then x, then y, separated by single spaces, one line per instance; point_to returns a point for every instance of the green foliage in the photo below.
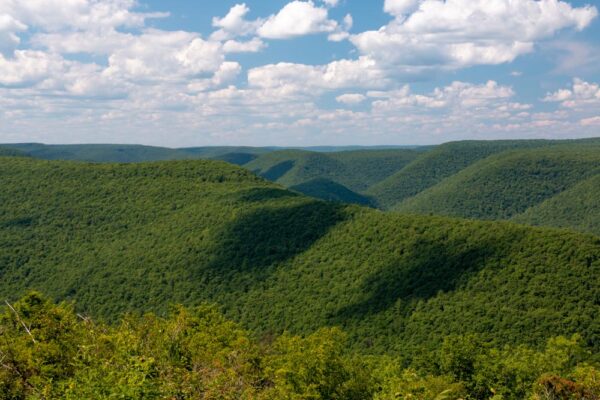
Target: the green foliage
pixel 576 208
pixel 509 183
pixel 316 367
pixel 506 372
pixel 136 237
pixel 49 352
pixel 398 383
pixel 474 309
pixel 118 238
pixel 193 354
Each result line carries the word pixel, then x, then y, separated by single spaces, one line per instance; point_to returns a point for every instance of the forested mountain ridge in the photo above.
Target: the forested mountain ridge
pixel 329 190
pixel 341 176
pixel 125 153
pixel 8 152
pixel 494 191
pixel 507 184
pixel 357 170
pixel 443 161
pixel 140 236
pixel 470 179
pixel 98 152
pixel 577 208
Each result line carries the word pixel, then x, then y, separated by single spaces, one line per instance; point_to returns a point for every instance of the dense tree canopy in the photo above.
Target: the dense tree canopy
pixel 473 179
pixel 507 184
pixel 356 170
pixel 136 237
pixel 49 352
pixel 577 208
pixel 441 162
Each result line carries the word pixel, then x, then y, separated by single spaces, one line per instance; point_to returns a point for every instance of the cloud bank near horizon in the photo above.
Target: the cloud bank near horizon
pixel 102 71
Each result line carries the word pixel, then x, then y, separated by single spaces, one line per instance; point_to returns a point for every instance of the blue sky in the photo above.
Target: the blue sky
pixel 297 72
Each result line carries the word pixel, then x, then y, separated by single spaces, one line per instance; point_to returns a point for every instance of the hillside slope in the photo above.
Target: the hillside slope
pixel 134 153
pixel 441 162
pixel 329 190
pixel 8 152
pixel 349 173
pixel 507 184
pixel 576 208
pixel 98 152
pixel 139 236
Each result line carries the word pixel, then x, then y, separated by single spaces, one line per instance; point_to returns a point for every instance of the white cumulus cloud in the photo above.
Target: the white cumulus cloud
pixel 56 15
pixel 331 3
pixel 251 46
pixel 400 7
pixel 351 98
pixel 335 75
pixel 9 27
pixel 580 95
pixel 234 24
pixel 85 67
pixel 462 33
pixel 298 18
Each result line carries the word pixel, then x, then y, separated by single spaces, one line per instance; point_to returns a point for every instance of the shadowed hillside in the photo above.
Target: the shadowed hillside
pixel 326 189
pixel 357 170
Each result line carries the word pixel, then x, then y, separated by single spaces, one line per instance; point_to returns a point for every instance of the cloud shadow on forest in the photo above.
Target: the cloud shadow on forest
pixel 269 235
pixel 427 269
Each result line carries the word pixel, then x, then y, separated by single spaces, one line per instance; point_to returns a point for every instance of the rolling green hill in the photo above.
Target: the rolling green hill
pixel 326 189
pixel 134 153
pixel 576 208
pixel 236 158
pixel 235 154
pixel 8 152
pixel 136 237
pixel 98 152
pixel 433 166
pixel 507 184
pixel 341 176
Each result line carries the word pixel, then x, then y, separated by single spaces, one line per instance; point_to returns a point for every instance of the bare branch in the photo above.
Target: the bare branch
pixel 20 320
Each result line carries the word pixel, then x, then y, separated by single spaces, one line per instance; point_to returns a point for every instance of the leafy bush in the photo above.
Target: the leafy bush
pixel 49 352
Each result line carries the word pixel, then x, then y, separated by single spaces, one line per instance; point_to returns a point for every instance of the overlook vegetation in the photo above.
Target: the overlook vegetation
pixel 47 351
pixel 136 237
